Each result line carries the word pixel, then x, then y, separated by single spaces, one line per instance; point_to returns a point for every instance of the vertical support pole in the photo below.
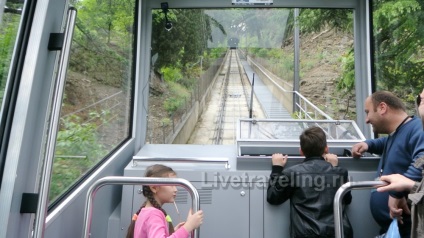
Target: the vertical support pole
pixel 296 78
pixel 251 97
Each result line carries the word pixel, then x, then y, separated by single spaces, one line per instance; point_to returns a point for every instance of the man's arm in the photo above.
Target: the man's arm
pixel 376 146
pixel 416 144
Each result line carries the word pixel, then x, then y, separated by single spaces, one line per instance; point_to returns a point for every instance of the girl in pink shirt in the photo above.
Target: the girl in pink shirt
pixel 151 221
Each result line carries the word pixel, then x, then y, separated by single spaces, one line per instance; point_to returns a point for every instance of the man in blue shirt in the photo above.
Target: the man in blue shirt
pixel 400 183
pixel 405 144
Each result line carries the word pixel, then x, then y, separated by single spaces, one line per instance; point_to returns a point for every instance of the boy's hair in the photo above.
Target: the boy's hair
pixel 389 98
pixel 156 170
pixel 313 142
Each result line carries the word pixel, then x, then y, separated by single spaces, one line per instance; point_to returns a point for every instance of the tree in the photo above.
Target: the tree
pixel 183 44
pixel 397 38
pixel 398 34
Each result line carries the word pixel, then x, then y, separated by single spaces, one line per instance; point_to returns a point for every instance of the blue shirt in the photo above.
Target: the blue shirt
pixel 398 153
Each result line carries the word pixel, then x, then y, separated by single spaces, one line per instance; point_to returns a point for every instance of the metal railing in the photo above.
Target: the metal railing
pixel 116 180
pixel 338 208
pixel 304 108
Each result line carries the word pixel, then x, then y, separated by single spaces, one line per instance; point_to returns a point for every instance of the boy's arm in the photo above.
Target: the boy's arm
pixel 332 159
pixel 279 189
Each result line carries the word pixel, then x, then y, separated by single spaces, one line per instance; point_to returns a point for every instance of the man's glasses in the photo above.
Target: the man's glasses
pixel 418 100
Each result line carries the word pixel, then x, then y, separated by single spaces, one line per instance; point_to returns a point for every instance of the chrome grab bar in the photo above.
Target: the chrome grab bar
pixel 117 180
pixel 338 209
pixel 59 86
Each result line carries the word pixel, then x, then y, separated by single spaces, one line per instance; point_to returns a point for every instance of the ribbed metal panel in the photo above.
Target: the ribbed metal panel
pixel 205 196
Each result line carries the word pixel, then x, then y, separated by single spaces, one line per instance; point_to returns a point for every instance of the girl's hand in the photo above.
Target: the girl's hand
pixel 193 220
pixel 179 225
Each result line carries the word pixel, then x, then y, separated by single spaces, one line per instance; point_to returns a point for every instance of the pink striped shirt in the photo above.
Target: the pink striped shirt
pixel 151 223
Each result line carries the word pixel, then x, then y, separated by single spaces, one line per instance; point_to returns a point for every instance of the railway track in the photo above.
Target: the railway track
pixel 229 102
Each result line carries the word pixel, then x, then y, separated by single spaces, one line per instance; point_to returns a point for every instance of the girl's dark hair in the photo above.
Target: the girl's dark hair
pixel 156 170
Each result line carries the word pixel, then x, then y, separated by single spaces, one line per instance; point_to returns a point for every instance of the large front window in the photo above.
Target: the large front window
pixel 200 84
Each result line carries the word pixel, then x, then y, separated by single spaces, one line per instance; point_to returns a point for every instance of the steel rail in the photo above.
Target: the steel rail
pixel 222 105
pixel 338 206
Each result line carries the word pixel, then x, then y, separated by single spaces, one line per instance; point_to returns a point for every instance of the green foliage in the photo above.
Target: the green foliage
pixel 278 61
pixel 275 53
pixel 191 76
pixel 171 74
pixel 215 53
pixel 346 83
pixel 314 20
pixel 297 115
pixel 210 55
pixel 8 33
pixel 107 19
pixel 75 138
pixel 177 97
pixel 262 53
pixel 103 39
pixel 398 33
pixel 166 121
pixel 183 43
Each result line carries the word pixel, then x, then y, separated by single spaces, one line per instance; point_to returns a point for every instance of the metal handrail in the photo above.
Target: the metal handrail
pixel 338 208
pixel 40 218
pixel 307 102
pixel 117 180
